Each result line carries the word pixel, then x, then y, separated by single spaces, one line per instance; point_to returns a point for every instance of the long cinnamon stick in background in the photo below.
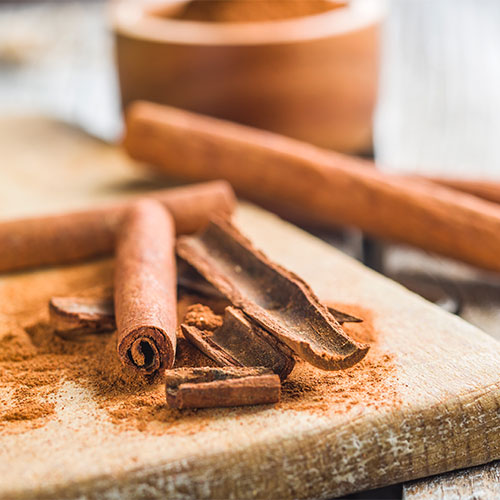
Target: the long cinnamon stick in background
pixel 487 190
pixel 278 300
pixel 145 295
pixel 314 185
pixel 70 237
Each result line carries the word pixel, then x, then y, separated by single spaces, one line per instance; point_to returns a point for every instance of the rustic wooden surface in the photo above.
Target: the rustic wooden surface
pixel 477 483
pixel 57 58
pixel 323 450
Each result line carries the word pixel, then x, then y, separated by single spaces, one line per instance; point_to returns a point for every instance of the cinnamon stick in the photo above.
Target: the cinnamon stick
pixel 487 190
pixel 313 185
pixel 74 236
pixel 239 341
pixel 221 387
pixel 145 289
pixel 275 298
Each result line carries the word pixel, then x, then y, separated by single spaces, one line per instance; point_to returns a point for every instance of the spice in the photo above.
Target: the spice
pixel 75 316
pixel 34 363
pixel 239 341
pixel 202 317
pixel 189 278
pixel 238 11
pixel 485 189
pixel 70 237
pixel 315 186
pixel 220 387
pixel 275 298
pixel 145 289
pixel 343 317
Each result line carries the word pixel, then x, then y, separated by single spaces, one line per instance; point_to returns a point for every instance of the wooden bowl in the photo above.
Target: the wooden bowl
pixel 313 78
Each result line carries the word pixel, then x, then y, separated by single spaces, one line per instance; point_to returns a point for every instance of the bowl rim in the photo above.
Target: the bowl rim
pixel 134 19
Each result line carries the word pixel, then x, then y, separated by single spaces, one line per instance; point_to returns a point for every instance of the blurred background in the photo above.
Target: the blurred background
pixel 412 83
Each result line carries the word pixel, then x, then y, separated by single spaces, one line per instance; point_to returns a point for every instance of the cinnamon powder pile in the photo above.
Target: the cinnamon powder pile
pixel 239 11
pixel 34 362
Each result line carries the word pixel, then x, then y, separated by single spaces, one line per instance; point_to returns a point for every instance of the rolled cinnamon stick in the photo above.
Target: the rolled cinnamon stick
pixel 487 190
pixel 315 186
pixel 75 236
pixel 145 289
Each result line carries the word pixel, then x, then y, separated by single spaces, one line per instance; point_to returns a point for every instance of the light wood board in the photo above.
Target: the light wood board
pixel 435 410
pixel 477 483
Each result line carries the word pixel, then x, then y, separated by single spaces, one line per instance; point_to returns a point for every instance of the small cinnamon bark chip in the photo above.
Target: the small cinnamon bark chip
pixel 221 387
pixel 145 289
pixel 239 342
pixel 72 317
pixel 343 317
pixel 281 302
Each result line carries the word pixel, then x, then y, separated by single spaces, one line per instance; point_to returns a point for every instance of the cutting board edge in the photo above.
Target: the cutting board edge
pixel 292 469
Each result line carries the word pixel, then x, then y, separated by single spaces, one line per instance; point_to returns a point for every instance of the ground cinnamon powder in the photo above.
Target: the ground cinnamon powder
pixel 34 362
pixel 202 317
pixel 239 11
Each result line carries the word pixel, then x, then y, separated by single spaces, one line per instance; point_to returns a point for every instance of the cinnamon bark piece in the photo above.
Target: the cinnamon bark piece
pixel 241 342
pixel 72 317
pixel 75 236
pixel 221 387
pixel 204 342
pixel 343 317
pixel 145 289
pixel 190 279
pixel 281 302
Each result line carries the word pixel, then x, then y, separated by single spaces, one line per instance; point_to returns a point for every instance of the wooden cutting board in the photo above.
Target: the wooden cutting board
pixel 425 400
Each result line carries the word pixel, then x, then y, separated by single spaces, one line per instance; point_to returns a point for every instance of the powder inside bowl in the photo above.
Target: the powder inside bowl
pixel 240 11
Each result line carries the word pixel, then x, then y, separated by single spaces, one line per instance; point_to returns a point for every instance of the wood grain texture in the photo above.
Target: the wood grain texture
pixel 438 110
pixel 477 483
pixel 435 410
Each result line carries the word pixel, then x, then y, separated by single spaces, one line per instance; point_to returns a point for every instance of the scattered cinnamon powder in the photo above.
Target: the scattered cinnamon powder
pixel 239 11
pixel 371 382
pixel 34 362
pixel 362 332
pixel 202 317
pixel 187 301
